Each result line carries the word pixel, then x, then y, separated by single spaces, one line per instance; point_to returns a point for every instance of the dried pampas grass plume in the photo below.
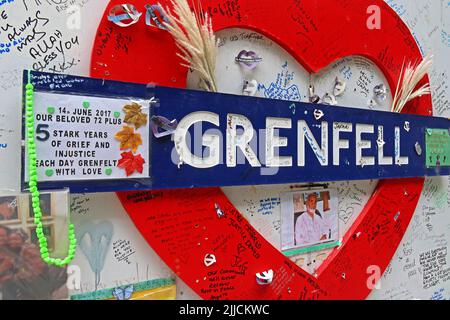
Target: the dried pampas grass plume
pixel 194 37
pixel 408 81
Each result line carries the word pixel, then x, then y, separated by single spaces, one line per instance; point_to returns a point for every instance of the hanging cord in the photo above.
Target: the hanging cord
pixel 33 179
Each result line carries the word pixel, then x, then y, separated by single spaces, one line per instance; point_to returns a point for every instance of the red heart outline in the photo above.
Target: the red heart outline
pixel 316 33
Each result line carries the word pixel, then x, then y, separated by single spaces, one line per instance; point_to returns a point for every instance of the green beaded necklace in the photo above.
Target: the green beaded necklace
pixel 31 144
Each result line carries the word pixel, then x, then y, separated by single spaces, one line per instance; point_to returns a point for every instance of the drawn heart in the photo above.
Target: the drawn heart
pixel 307 30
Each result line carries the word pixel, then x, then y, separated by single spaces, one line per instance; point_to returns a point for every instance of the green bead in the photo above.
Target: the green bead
pixel 35 194
pixel 32 183
pixel 44 250
pixel 29 103
pixel 47 259
pixel 29 86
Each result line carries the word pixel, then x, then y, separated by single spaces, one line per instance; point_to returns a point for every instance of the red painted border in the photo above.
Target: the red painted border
pixel 316 33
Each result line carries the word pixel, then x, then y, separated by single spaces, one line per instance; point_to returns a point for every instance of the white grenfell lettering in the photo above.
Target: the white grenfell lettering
pixel 241 135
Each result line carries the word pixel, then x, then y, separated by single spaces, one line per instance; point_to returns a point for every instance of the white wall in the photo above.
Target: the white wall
pixel 429 20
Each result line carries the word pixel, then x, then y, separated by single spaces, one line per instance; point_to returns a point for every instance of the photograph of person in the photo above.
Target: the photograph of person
pixel 23 273
pixel 308 218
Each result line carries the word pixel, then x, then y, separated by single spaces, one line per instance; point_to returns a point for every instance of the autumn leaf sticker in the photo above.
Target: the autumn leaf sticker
pixel 134 115
pixel 128 139
pixel 131 163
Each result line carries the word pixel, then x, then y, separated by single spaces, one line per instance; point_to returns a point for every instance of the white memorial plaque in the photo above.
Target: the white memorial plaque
pixel 77 138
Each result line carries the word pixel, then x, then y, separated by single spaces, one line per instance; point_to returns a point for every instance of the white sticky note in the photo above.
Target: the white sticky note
pixel 75 138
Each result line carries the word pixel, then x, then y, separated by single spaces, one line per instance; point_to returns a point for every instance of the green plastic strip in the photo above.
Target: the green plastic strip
pixel 318 247
pixel 138 287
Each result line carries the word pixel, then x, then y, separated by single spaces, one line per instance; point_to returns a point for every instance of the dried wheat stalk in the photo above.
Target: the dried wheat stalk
pixel 407 82
pixel 194 37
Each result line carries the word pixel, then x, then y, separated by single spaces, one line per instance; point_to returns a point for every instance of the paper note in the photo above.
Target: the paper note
pixel 90 138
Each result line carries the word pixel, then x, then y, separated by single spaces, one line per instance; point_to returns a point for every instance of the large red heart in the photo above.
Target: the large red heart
pixel 182 225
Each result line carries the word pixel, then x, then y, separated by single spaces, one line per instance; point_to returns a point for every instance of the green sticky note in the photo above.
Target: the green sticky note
pixel 437 147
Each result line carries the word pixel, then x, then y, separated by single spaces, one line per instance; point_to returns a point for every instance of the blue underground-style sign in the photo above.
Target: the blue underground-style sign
pixel 202 139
